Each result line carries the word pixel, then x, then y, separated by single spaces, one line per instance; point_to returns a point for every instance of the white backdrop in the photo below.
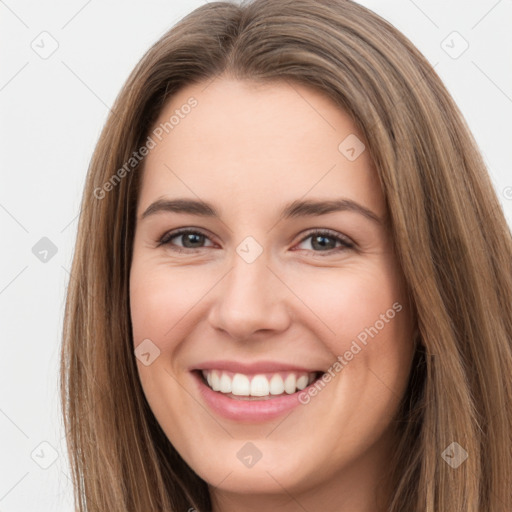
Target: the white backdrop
pixel 62 65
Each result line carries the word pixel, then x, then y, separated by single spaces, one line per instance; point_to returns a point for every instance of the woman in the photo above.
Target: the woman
pixel 212 358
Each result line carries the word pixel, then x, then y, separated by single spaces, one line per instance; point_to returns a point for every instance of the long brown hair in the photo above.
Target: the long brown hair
pixel 450 235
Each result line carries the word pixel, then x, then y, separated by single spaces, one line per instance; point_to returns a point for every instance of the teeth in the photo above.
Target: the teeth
pixel 290 384
pixel 276 385
pixel 213 379
pixel 225 384
pixel 260 386
pixel 302 382
pixel 240 385
pixel 257 385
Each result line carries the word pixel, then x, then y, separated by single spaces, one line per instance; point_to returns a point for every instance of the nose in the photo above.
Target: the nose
pixel 250 300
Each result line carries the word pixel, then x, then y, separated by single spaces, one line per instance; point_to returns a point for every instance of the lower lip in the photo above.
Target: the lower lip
pixel 247 410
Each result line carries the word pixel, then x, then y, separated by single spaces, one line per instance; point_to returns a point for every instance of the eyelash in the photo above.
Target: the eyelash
pixel 327 233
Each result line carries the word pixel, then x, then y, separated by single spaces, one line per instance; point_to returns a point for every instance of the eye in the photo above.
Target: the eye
pixel 326 241
pixel 191 239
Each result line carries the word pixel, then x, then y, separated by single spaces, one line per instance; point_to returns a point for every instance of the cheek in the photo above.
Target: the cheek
pixel 352 303
pixel 161 299
pixel 365 324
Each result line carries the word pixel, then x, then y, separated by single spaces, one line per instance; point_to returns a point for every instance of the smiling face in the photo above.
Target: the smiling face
pixel 264 285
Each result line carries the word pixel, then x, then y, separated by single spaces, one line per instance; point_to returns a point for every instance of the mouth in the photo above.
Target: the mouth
pixel 254 392
pixel 259 386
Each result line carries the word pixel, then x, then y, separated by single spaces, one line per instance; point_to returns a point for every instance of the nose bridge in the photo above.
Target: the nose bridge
pixel 249 277
pixel 250 298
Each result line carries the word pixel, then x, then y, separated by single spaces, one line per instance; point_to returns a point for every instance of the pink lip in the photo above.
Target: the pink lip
pixel 250 368
pixel 250 411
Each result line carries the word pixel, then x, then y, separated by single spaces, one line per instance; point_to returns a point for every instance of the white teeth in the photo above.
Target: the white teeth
pixel 240 385
pixel 290 384
pixel 225 384
pixel 302 382
pixel 215 380
pixel 259 385
pixel 276 385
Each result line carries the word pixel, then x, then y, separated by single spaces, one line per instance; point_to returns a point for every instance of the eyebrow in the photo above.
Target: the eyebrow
pixel 298 208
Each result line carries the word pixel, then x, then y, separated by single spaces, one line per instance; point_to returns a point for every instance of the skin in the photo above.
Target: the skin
pixel 248 149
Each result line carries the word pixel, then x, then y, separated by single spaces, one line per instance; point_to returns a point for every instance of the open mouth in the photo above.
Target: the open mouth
pixel 261 386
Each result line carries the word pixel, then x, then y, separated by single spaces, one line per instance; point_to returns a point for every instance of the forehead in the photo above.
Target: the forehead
pixel 256 143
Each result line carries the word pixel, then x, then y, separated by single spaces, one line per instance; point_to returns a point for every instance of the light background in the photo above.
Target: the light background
pixel 52 110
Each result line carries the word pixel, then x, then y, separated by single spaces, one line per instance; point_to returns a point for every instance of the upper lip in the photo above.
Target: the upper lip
pixel 250 368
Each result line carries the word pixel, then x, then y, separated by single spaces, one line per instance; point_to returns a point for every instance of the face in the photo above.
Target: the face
pixel 261 290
